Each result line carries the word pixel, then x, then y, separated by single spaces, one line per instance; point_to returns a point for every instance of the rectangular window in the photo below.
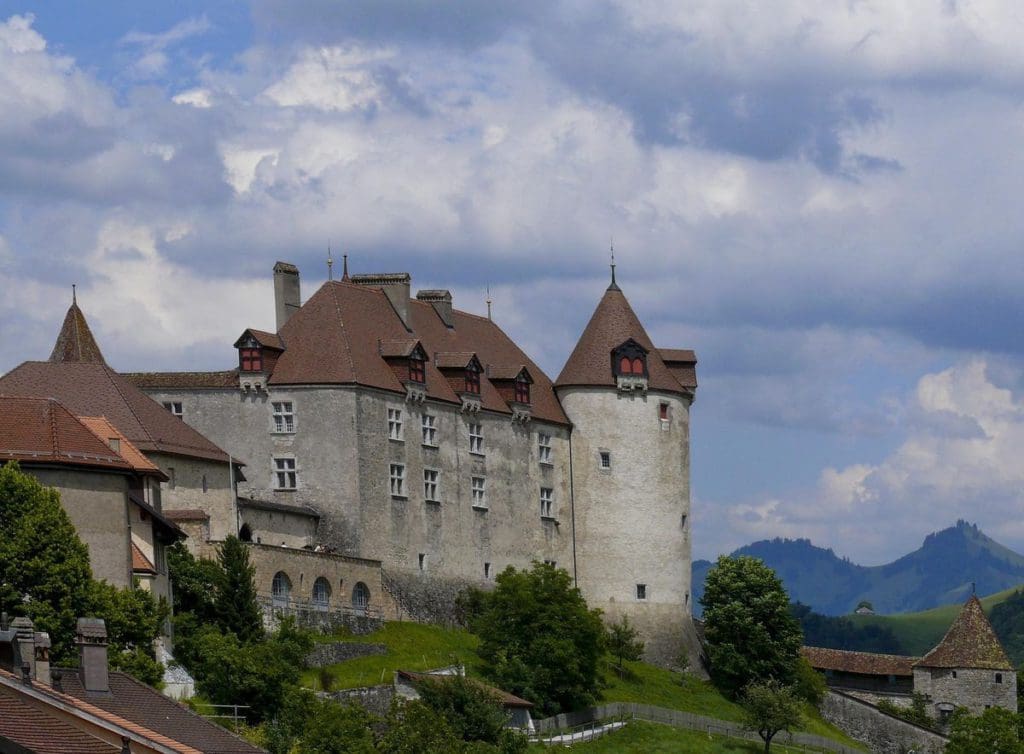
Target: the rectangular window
pixel 423 561
pixel 472 382
pixel 479 492
pixel 394 424
pixel 417 371
pixel 522 391
pixel 487 570
pixel 175 408
pixel 250 359
pixel 476 439
pixel 544 447
pixel 285 476
pixel 284 416
pixel 430 477
pixel 397 480
pixel 551 563
pixel 171 482
pixel 663 411
pixel 546 502
pixel 641 591
pixel 606 459
pixel 429 425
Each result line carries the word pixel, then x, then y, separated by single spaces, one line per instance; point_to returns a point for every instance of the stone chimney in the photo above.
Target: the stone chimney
pixel 442 303
pixel 42 659
pixel 25 638
pixel 396 286
pixel 91 638
pixel 287 297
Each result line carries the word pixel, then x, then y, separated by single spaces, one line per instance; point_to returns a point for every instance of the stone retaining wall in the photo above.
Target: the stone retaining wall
pixel 884 733
pixel 331 653
pixel 375 699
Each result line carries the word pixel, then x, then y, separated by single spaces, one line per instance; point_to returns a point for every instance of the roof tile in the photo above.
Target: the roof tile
pixel 864 663
pixel 969 643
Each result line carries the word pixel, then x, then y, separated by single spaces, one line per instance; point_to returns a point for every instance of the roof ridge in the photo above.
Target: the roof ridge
pixel 341 323
pixel 108 372
pixel 54 441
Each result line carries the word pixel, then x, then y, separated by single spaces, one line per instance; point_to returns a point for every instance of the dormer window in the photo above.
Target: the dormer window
pixel 472 379
pixel 258 351
pixel 417 368
pixel 522 391
pixel 250 359
pixel 629 365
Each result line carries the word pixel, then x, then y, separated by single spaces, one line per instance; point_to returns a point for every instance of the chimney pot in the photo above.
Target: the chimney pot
pixel 441 300
pixel 396 287
pixel 91 637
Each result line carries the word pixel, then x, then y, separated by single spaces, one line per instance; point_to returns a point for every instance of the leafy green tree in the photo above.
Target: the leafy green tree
pixel 995 731
pixel 133 619
pixel 623 642
pixel 750 633
pixel 339 729
pixel 768 709
pixel 414 728
pixel 236 606
pixel 44 566
pixel 808 683
pixel 472 711
pixel 538 639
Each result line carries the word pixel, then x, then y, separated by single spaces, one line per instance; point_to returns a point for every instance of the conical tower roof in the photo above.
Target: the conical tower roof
pixel 969 643
pixel 75 342
pixel 612 324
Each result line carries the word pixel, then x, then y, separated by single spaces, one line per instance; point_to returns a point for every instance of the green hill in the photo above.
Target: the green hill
pixel 944 570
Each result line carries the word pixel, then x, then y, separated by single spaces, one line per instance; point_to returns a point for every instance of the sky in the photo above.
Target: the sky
pixel 822 199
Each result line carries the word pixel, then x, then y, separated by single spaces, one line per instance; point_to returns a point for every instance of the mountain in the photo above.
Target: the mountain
pixel 940 572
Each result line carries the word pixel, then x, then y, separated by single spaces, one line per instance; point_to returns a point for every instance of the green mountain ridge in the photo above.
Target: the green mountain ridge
pixel 948 566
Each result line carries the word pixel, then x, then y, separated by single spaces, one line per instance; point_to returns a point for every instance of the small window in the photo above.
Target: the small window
pixel 321 593
pixel 395 424
pixel 175 408
pixel 472 380
pixel 476 439
pixel 544 447
pixel 281 589
pixel 999 677
pixel 487 570
pixel 606 459
pixel 546 502
pixel 954 674
pixel 522 391
pixel 397 478
pixel 245 533
pixel 429 426
pixel 206 486
pixel 663 412
pixel 284 416
pixel 171 482
pixel 360 597
pixel 478 491
pixel 423 561
pixel 417 370
pixel 641 591
pixel 430 477
pixel 552 563
pixel 250 359
pixel 682 521
pixel 285 475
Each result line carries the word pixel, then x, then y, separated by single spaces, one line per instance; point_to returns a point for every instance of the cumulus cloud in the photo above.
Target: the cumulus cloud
pixel 153 55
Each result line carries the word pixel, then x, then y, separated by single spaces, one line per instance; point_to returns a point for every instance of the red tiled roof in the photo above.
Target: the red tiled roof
pixel 402 348
pixel 140 563
pixel 106 431
pixel 267 339
pixel 506 371
pixel 41 733
pixel 41 430
pixel 172 380
pixel 453 359
pixel 507 699
pixel 187 514
pixel 612 324
pixel 335 339
pixel 969 643
pixel 75 341
pixel 135 701
pixel 863 663
pixel 89 389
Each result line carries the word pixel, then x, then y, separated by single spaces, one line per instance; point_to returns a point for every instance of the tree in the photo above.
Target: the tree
pixel 339 729
pixel 750 633
pixel 133 619
pixel 472 711
pixel 236 606
pixel 769 708
pixel 808 683
pixel 623 643
pixel 995 731
pixel 538 639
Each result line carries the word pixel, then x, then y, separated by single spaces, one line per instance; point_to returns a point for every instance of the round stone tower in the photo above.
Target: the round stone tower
pixel 629 403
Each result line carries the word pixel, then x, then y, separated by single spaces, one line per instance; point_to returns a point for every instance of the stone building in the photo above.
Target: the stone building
pixel 968 669
pixel 423 437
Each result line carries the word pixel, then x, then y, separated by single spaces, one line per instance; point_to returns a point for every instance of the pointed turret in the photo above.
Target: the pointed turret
pixel 75 342
pixel 970 642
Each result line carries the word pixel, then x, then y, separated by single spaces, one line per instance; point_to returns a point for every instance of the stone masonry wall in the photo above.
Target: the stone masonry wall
pixel 973 688
pixel 883 733
pixel 331 653
pixel 427 598
pixel 375 699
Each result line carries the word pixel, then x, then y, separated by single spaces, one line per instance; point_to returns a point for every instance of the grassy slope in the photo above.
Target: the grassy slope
pixel 414 646
pixel 919 632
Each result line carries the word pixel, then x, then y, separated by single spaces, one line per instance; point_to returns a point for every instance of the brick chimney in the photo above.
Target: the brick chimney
pixel 396 287
pixel 287 297
pixel 91 638
pixel 442 303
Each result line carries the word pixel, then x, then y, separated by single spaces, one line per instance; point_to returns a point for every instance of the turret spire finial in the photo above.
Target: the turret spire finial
pixel 344 268
pixel 488 302
pixel 74 294
pixel 614 286
pixel 330 263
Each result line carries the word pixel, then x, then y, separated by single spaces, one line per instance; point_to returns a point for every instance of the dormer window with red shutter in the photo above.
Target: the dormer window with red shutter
pixel 258 352
pixel 629 365
pixel 513 384
pixel 473 378
pixel 417 368
pixel 522 391
pixel 408 361
pixel 250 359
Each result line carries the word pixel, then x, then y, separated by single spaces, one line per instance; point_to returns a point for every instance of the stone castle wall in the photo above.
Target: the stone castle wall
pixel 975 689
pixel 883 733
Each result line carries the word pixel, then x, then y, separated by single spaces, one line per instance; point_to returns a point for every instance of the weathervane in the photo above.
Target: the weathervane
pixel 330 263
pixel 488 302
pixel 74 294
pixel 611 247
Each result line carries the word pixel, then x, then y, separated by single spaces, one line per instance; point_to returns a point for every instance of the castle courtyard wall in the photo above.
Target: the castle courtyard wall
pixel 974 688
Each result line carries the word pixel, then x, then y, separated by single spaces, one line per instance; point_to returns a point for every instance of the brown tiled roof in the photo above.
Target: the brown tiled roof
pixel 267 339
pixel 505 371
pixel 172 380
pixel 41 430
pixel 453 359
pixel 507 699
pixel 106 431
pixel 75 341
pixel 40 732
pixel 135 701
pixel 269 505
pixel 187 514
pixel 613 323
pixel 863 663
pixel 969 643
pixel 400 348
pixel 334 339
pixel 89 389
pixel 140 563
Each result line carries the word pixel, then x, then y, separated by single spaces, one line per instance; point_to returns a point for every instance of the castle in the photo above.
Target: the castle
pixel 395 435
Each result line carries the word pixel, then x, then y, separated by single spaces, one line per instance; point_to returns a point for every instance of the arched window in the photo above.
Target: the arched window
pixel 629 359
pixel 638 366
pixel 321 593
pixel 245 533
pixel 281 589
pixel 625 366
pixel 361 597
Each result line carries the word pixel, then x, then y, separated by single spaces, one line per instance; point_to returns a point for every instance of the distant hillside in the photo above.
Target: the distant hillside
pixel 940 572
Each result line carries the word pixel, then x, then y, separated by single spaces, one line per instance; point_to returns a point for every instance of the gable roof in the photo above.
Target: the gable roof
pixel 969 643
pixel 140 563
pixel 41 430
pixel 75 341
pixel 506 699
pixel 613 323
pixel 862 663
pixel 106 431
pixel 41 733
